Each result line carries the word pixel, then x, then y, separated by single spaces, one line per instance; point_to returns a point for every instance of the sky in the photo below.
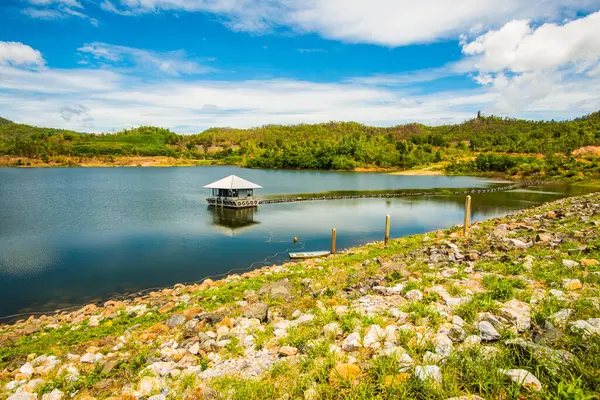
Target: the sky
pixel 188 65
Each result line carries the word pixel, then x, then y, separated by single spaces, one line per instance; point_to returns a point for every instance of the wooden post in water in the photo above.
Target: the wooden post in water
pixel 387 230
pixel 333 237
pixel 467 216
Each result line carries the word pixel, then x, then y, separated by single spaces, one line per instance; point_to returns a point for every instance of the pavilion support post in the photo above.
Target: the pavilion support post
pixel 467 216
pixel 387 230
pixel 333 239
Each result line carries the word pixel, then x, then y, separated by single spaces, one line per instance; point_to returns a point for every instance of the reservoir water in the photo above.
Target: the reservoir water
pixel 69 236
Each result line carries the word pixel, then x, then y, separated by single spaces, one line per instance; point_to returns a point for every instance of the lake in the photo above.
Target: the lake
pixel 69 236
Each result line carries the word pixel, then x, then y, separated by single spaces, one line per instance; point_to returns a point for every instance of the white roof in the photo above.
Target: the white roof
pixel 233 182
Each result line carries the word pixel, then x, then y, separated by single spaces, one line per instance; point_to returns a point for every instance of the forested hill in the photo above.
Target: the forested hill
pixel 334 145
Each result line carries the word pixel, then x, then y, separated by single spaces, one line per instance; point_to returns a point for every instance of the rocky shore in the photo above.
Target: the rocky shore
pixel 512 311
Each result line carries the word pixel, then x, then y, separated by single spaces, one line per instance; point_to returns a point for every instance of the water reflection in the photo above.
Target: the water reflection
pixel 232 220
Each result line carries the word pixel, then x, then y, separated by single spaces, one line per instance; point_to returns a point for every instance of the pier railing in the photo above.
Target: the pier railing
pixel 402 194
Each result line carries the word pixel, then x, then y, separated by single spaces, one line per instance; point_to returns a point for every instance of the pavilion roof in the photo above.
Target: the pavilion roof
pixel 232 182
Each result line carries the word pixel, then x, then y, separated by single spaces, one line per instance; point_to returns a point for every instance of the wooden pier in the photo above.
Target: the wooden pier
pixel 400 194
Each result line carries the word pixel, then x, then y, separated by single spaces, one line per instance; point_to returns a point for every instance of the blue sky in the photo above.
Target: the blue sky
pixel 104 65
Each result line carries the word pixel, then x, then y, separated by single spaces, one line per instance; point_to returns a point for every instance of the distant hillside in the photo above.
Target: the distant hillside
pixel 4 121
pixel 333 145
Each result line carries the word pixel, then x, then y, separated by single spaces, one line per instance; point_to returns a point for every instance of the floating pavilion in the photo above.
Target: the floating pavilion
pixel 233 192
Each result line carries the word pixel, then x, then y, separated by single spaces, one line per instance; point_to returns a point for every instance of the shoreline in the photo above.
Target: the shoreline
pixel 317 328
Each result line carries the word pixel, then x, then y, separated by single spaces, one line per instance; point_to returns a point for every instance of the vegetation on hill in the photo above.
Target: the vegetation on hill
pixel 334 145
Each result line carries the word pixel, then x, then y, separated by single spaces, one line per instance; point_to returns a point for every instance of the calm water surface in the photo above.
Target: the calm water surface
pixel 69 236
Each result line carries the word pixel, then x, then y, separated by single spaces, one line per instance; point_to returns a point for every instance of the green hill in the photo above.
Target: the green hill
pixel 333 145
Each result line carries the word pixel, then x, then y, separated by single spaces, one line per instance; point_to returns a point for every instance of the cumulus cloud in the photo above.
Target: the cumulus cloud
pixel 172 62
pixel 77 113
pixel 383 22
pixel 526 64
pixel 19 54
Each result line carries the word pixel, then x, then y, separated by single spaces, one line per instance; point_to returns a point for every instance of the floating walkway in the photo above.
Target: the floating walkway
pixel 401 194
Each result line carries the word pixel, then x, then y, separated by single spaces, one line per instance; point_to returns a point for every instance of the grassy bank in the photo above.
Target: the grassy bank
pixel 509 312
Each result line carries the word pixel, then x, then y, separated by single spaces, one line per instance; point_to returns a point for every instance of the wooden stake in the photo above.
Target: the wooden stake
pixel 387 230
pixel 333 237
pixel 467 216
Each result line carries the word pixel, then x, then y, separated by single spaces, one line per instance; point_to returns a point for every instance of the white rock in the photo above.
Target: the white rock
pixel 303 319
pixel 472 341
pixel 561 317
pixel 158 397
pixel 523 378
pixel 456 320
pixel 414 295
pixel 352 342
pixel 26 369
pixel 584 327
pixel 53 395
pixel 91 358
pixel 23 396
pixel 429 372
pixel 375 334
pixel 94 320
pixel 332 329
pixel 162 368
pixel 248 342
pixel 570 263
pixel 195 348
pixel 517 313
pixel 487 332
pixel 443 345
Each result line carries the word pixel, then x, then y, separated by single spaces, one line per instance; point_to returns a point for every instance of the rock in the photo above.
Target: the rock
pixel 543 238
pixel 158 397
pixel 457 334
pixel 572 284
pixel 472 341
pixel 414 295
pixel 429 372
pixel 281 289
pixel 210 317
pixel 304 318
pixel 23 396
pixel 548 358
pixel 91 358
pixel 175 320
pixel 523 378
pixel 343 371
pixel 162 368
pixel 258 311
pixel 518 244
pixel 373 337
pixel 166 308
pixel 517 313
pixel 333 329
pixel 458 321
pixel 584 328
pixel 53 395
pixel 195 348
pixel 352 342
pixel 288 351
pixel 487 332
pixel 561 317
pixel 443 345
pixel 570 263
pixel 26 369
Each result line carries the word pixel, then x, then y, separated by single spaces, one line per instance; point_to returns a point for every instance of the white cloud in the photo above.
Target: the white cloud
pixel 19 54
pixel 528 65
pixel 172 62
pixel 520 48
pixel 56 9
pixel 68 3
pixel 383 22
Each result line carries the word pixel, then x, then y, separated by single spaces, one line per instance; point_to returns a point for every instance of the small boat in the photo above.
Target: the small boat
pixel 309 254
